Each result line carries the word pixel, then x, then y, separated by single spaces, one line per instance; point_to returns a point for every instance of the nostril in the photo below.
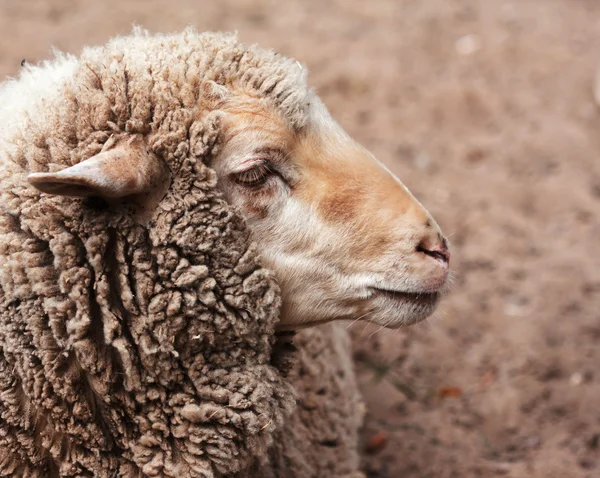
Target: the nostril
pixel 439 252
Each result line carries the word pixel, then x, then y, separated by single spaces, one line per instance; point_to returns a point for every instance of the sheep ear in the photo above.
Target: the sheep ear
pixel 127 169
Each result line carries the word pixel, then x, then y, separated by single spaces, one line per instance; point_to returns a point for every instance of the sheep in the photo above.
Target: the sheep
pixel 168 206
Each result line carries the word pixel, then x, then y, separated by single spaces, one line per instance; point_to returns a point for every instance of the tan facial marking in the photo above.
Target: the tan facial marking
pixel 349 189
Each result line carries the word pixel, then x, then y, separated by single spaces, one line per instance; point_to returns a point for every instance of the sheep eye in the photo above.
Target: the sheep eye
pixel 252 177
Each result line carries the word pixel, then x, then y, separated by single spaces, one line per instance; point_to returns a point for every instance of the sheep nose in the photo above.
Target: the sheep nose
pixel 435 247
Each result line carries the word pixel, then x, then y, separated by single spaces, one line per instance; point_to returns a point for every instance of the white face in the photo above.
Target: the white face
pixel 345 238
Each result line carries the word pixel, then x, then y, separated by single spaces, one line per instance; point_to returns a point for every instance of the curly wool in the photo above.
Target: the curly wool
pixel 126 349
pixel 320 438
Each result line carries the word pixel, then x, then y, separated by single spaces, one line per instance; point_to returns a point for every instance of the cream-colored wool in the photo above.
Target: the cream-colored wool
pixel 133 348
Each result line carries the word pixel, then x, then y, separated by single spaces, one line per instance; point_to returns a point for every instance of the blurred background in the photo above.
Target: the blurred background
pixel 486 110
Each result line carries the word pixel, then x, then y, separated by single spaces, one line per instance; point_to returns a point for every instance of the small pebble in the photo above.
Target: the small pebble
pixel 514 310
pixel 576 379
pixel 468 44
pixel 422 161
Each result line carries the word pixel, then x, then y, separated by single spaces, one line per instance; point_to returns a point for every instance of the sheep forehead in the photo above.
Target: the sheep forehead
pixel 337 174
pixel 250 125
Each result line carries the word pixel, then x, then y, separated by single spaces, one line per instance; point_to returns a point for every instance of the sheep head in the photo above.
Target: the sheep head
pixel 344 236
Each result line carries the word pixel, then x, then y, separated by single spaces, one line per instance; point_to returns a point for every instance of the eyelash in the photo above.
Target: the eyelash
pixel 254 176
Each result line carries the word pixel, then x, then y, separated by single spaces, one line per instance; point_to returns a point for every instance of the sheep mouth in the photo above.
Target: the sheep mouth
pixel 416 298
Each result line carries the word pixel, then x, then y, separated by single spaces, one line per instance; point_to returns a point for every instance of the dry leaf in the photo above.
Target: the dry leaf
pixel 446 392
pixel 376 443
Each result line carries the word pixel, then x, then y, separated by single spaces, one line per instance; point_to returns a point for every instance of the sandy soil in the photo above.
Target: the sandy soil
pixel 484 108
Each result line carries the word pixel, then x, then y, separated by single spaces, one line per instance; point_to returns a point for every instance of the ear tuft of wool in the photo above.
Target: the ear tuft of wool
pixel 133 348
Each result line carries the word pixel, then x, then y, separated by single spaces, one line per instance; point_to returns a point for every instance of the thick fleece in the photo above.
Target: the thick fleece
pixel 145 349
pixel 320 438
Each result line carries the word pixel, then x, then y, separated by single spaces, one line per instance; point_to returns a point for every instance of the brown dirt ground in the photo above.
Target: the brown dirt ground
pixel 502 146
